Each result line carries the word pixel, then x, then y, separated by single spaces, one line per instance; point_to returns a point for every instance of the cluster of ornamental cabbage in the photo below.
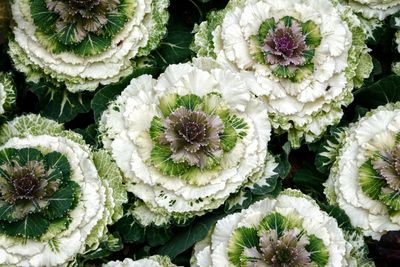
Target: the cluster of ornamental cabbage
pixel 189 141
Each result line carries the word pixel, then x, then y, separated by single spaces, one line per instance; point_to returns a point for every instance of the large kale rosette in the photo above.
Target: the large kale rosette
pixel 187 140
pixel 306 56
pixel 365 177
pixel 84 43
pixel 56 195
pixel 290 230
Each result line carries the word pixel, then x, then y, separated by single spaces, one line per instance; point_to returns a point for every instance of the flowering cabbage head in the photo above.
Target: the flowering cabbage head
pixel 290 230
pixel 306 57
pixel 187 140
pixel 365 177
pixel 56 195
pixel 371 9
pixel 84 43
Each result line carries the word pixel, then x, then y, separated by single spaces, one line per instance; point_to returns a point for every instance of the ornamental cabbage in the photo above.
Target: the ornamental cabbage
pixel 371 9
pixel 153 261
pixel 364 178
pixel 306 57
pixel 290 230
pixel 7 93
pixel 56 195
pixel 187 140
pixel 84 43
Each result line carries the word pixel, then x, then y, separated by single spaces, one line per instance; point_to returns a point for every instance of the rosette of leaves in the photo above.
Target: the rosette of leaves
pixel 290 230
pixel 84 43
pixel 363 180
pixel 374 9
pixel 7 93
pixel 306 56
pixel 56 195
pixel 187 140
pixel 153 261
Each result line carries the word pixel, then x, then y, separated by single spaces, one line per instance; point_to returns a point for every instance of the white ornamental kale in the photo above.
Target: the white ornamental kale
pixel 372 9
pixel 7 93
pixel 290 230
pixel 365 177
pixel 153 261
pixel 306 57
pixel 84 43
pixel 56 195
pixel 187 140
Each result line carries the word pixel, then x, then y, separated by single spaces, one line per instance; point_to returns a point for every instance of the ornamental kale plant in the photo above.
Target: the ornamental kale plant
pixel 212 133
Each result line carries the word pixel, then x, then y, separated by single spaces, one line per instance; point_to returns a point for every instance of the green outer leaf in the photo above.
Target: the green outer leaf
pixel 264 29
pixel 93 45
pixel 186 238
pixel 328 150
pixel 190 101
pixel 42 17
pixel 33 226
pixel 237 201
pixel 156 128
pixel 62 201
pixel 24 155
pixel 319 253
pixel 241 238
pixel 370 181
pixel 269 187
pixel 67 35
pixel 310 181
pixel 392 200
pixel 7 154
pixel 380 93
pixel 168 103
pixel 302 72
pixel 58 103
pixel 57 161
pixel 228 138
pixel 116 21
pixel 284 72
pixel 11 91
pixel 130 230
pixel 175 48
pixel 312 33
pixel 161 159
pixel 7 212
pixel 274 221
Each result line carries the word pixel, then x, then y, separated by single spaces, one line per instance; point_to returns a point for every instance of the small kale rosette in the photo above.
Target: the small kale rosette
pixel 187 140
pixel 306 56
pixel 365 177
pixel 153 261
pixel 374 9
pixel 84 43
pixel 8 93
pixel 56 195
pixel 290 230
